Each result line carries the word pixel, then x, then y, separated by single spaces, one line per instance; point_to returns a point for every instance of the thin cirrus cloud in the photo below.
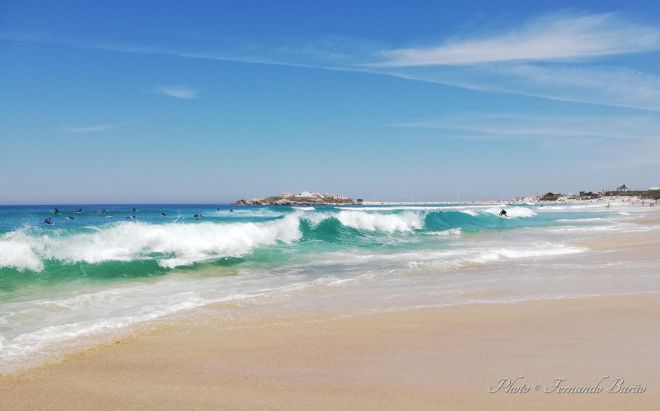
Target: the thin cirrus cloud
pixel 180 92
pixel 91 129
pixel 604 142
pixel 549 38
pixel 592 84
pixel 512 126
pixel 523 60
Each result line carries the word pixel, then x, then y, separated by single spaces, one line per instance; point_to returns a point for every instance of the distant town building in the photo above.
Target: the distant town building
pixel 588 195
pixel 654 188
pixel 309 194
pixel 622 188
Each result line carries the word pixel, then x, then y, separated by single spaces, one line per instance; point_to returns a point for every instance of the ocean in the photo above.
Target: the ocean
pixel 101 269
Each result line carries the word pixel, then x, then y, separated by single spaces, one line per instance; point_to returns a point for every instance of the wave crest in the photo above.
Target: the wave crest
pixel 388 223
pixel 171 244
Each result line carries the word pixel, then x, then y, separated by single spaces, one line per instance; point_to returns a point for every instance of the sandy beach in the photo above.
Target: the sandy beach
pixel 418 358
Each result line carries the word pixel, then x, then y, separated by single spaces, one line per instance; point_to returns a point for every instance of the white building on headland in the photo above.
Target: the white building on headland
pixel 309 194
pixel 622 188
pixel 654 188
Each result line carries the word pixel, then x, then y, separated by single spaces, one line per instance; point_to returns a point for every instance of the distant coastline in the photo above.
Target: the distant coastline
pixel 311 199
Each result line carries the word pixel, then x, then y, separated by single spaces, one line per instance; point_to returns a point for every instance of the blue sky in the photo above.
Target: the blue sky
pixel 185 102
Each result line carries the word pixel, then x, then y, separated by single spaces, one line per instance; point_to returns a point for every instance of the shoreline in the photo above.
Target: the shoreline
pixel 424 358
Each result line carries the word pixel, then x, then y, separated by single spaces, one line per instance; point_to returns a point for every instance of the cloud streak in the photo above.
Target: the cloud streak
pixel 614 142
pixel 545 58
pixel 507 126
pixel 180 92
pixel 602 85
pixel 91 129
pixel 550 38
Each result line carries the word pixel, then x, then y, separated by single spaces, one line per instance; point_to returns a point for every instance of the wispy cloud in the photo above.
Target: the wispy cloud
pixel 521 60
pixel 603 85
pixel 90 129
pixel 603 142
pixel 550 38
pixel 615 129
pixel 182 92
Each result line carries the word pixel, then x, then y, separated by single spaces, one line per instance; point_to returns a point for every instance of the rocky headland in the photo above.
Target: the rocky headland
pixel 303 199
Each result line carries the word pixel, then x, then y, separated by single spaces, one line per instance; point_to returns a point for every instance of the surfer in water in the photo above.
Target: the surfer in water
pixel 163 214
pixel 56 211
pixel 503 213
pixel 48 221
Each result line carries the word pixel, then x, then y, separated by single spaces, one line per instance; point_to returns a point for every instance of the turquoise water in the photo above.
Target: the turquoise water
pixel 122 243
pixel 107 267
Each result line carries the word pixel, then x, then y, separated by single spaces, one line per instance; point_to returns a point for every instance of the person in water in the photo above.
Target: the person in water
pixel 163 214
pixel 48 221
pixel 503 213
pixel 56 211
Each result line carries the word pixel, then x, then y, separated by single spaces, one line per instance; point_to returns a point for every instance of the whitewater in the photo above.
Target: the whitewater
pixel 107 268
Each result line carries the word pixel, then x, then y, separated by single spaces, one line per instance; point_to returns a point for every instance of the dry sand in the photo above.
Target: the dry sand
pixel 441 358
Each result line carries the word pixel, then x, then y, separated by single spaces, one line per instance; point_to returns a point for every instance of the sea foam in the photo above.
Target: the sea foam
pixel 389 223
pixel 172 244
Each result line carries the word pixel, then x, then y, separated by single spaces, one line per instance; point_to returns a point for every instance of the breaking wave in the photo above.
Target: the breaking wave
pixel 178 244
pixel 171 244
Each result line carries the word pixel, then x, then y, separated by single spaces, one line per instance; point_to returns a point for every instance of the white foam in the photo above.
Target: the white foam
pixel 512 212
pixel 387 223
pixel 171 244
pixel 544 250
pixel 452 232
pixel 39 325
pixel 316 218
pixel 395 208
pixel 16 252
pixel 580 220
